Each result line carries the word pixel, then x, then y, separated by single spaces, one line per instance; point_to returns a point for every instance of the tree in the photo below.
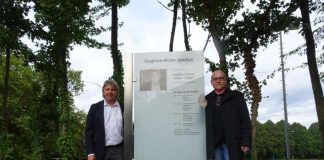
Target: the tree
pixel 304 142
pixel 118 74
pixel 248 35
pixel 66 22
pixel 13 25
pixel 316 149
pixel 299 141
pixel 175 4
pixel 184 24
pixel 215 16
pixel 174 23
pixel 23 83
pixel 280 150
pixel 270 140
pixel 118 70
pixel 312 64
pixel 318 6
pixel 33 125
pixel 242 37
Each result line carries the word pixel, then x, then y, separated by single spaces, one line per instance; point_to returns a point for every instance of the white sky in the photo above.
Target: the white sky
pixel 147 28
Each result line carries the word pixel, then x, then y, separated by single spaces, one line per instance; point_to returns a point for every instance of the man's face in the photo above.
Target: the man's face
pixel 218 80
pixel 110 93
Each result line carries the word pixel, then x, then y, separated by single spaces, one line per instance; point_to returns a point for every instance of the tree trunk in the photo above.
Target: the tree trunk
pixel 63 100
pixel 312 65
pixel 5 122
pixel 62 82
pixel 254 116
pixel 118 73
pixel 253 84
pixel 209 6
pixel 62 69
pixel 184 24
pixel 1 57
pixel 6 114
pixel 219 47
pixel 222 58
pixel 61 97
pixel 174 24
pixel 114 27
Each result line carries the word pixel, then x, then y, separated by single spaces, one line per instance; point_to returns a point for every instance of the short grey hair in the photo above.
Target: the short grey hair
pixel 112 83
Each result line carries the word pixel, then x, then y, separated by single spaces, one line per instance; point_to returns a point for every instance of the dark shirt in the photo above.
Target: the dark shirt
pixel 218 121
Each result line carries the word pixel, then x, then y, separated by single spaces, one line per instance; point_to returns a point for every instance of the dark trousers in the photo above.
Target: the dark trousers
pixel 114 152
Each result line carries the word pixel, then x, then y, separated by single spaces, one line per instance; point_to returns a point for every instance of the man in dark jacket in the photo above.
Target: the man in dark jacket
pixel 228 125
pixel 104 127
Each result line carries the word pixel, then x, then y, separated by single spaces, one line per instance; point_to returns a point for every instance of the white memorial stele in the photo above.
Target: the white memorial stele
pixel 169 122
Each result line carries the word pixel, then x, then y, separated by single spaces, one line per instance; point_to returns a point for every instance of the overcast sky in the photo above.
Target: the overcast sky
pixel 147 28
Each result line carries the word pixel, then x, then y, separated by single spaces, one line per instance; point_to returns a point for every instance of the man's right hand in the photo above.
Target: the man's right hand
pixel 91 157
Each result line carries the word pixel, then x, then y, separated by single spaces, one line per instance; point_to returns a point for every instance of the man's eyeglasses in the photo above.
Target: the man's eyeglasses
pixel 218 78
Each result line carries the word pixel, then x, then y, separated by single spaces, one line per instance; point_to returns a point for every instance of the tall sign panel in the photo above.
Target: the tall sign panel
pixel 169 123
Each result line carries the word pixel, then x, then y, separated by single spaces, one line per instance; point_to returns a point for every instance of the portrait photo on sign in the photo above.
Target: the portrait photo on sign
pixel 153 80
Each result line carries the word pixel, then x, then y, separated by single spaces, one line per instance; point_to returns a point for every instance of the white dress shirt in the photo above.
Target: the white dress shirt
pixel 113 124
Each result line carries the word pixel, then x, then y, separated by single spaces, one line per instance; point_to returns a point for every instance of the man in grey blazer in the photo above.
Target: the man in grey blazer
pixel 104 126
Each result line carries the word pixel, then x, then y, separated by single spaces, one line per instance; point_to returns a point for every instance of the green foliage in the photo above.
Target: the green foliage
pixel 34 120
pixel 20 98
pixel 213 15
pixel 241 37
pixel 6 149
pixel 41 85
pixel 62 23
pixel 245 33
pixel 65 142
pixel 67 22
pixel 270 140
pixel 304 143
pixel 75 85
pixel 120 3
pixel 13 24
pixel 315 149
pixel 319 33
pixel 299 143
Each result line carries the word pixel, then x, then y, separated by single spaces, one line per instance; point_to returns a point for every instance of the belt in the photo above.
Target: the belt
pixel 117 145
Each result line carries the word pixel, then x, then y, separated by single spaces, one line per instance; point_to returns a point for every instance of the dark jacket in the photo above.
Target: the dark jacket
pixel 95 130
pixel 236 123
